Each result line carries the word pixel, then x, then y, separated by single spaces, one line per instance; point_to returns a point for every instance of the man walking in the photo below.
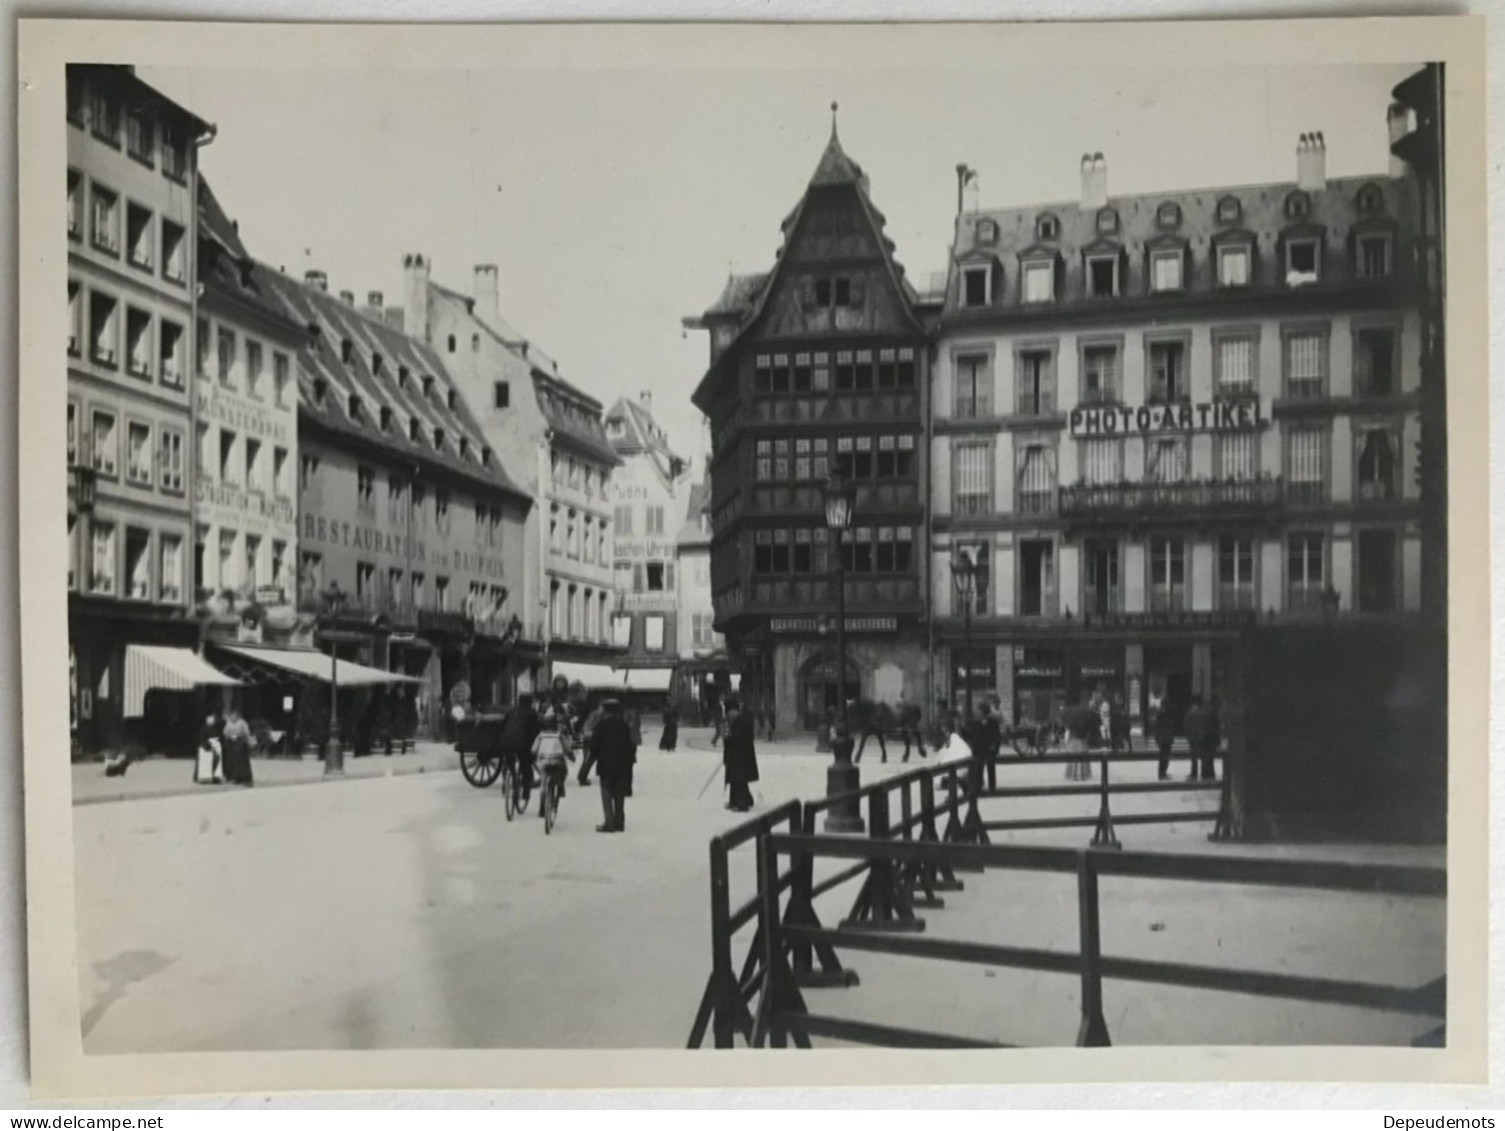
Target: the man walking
pixel 990 736
pixel 613 752
pixel 1165 735
pixel 1195 727
pixel 909 727
pixel 740 758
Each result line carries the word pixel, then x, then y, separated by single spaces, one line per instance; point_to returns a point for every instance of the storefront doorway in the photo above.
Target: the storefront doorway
pixel 1167 682
pixel 821 689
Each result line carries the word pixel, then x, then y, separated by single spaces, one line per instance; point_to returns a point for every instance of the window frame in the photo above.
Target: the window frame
pixel 1090 344
pixel 986 506
pixel 1032 266
pixel 1394 428
pixel 1158 340
pixel 1024 350
pixel 1324 491
pixel 1358 328
pixel 981 361
pixel 1288 333
pixel 1176 255
pixel 1250 333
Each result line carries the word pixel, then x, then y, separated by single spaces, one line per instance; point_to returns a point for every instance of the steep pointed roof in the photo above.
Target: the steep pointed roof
pixel 643 435
pixel 835 167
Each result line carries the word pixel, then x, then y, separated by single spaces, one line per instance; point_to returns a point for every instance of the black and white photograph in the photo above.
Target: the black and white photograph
pixel 677 542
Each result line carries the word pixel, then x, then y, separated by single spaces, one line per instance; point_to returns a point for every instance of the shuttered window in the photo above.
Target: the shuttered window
pixel 1037 480
pixel 1306 364
pixel 1102 461
pixel 973 479
pixel 1235 365
pixel 1236 456
pixel 1306 469
pixel 1165 461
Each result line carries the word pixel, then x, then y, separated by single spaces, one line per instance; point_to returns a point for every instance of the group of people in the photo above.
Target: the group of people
pixel 1203 726
pixel 224 754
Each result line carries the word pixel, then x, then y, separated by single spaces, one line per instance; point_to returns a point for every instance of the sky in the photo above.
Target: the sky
pixel 615 203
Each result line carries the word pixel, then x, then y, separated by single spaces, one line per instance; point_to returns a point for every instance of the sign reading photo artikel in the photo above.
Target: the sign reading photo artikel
pixel 1150 419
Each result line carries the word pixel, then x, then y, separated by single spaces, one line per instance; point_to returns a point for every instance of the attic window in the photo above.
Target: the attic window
pixel 1298 205
pixel 451 400
pixel 1107 221
pixel 977 285
pixel 1168 216
pixel 464 448
pixel 402 376
pixel 376 360
pixel 485 457
pixel 1047 227
pixel 1230 211
pixel 347 347
pixel 439 439
pixel 987 231
pixel 321 386
pixel 428 384
pixel 1371 199
pixel 355 407
pixel 386 419
pixel 415 430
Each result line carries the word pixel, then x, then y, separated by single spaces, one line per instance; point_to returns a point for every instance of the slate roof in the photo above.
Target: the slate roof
pixel 1262 212
pixel 644 436
pixel 226 267
pixel 330 322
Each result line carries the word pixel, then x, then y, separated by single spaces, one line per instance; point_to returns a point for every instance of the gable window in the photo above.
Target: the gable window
pixel 1100 374
pixel 974 386
pixel 1168 379
pixel 1037 382
pixel 1303 261
pixel 972 476
pixel 1306 364
pixel 1373 256
pixel 1047 227
pixel 977 286
pixel 1378 462
pixel 1233 364
pixel 1039 281
pixel 1037 479
pixel 1374 361
pixel 1233 265
pixel 1102 275
pixel 1166 269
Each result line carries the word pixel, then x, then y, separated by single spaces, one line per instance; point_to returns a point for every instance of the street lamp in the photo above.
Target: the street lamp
pixel 964 576
pixel 841 776
pixel 334 755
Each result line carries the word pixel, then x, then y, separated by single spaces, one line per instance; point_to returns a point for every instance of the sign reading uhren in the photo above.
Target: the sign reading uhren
pixel 1122 420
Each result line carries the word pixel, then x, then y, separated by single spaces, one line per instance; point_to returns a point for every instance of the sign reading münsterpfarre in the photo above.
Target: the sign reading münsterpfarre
pixel 1124 420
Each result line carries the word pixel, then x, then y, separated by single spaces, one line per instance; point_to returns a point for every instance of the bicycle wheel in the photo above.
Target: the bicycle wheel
pixel 509 787
pixel 550 805
pixel 1024 740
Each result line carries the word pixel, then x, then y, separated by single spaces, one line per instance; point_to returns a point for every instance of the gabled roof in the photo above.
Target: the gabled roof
pixel 835 167
pixel 227 268
pixel 691 533
pixel 330 323
pixel 643 436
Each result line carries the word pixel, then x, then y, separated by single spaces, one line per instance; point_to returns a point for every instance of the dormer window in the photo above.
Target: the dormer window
pixel 415 430
pixel 1047 226
pixel 1107 221
pixel 1372 255
pixel 354 404
pixel 1234 264
pixel 321 386
pixel 428 385
pixel 1039 281
pixel 386 419
pixel 1167 269
pixel 1303 261
pixel 1230 211
pixel 1298 205
pixel 376 360
pixel 1370 199
pixel 1168 216
pixel 977 285
pixel 987 231
pixel 347 348
pixel 439 439
pixel 1102 275
pixel 402 376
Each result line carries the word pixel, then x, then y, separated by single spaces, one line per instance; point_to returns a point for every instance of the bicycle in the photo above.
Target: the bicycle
pixel 517 789
pixel 548 801
pixel 1031 740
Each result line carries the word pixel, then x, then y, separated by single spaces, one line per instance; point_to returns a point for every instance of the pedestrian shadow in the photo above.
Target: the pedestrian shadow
pixel 119 974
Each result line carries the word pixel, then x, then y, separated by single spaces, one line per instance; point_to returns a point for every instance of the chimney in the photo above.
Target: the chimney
pixel 645 398
pixel 1311 163
pixel 318 280
pixel 1398 123
pixel 415 311
pixel 488 305
pixel 347 297
pixel 1094 181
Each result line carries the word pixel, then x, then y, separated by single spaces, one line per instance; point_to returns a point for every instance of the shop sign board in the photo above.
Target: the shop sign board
pixel 1093 421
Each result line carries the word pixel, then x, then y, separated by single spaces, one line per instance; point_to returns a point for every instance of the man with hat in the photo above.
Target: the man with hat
pixel 613 753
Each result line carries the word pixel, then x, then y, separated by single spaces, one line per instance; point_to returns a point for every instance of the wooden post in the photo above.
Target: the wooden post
pixel 1093 1032
pixel 882 904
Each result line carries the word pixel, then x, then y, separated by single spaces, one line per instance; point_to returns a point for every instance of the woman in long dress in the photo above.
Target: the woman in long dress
pixel 1080 721
pixel 670 738
pixel 739 757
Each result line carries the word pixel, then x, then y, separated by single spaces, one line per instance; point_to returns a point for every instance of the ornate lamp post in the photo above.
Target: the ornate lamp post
pixel 334 754
pixel 964 577
pixel 841 776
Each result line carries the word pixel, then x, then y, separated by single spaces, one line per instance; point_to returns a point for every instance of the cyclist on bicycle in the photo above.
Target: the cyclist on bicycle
pixel 551 749
pixel 519 730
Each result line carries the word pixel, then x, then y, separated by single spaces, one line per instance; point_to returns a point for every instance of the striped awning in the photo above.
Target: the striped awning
pixel 316 665
pixel 153 667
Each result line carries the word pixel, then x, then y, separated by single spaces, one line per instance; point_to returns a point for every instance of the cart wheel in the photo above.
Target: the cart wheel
pixel 480 770
pixel 509 789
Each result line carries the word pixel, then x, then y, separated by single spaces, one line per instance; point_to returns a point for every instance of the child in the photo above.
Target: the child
pixel 550 750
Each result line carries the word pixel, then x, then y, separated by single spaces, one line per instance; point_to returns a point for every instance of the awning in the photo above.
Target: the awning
pixel 316 665
pixel 648 679
pixel 152 667
pixel 594 677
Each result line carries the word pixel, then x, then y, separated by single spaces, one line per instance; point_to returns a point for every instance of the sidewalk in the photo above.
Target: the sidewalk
pixel 169 777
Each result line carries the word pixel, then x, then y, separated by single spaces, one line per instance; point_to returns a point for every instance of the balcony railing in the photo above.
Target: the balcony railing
pixel 1192 497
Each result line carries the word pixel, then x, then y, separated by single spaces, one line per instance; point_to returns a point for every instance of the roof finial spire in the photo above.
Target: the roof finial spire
pixel 834 107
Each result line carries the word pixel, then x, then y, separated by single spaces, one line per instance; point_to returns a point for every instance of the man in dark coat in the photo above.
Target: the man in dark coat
pixel 519 729
pixel 739 758
pixel 989 731
pixel 1195 728
pixel 1165 734
pixel 613 752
